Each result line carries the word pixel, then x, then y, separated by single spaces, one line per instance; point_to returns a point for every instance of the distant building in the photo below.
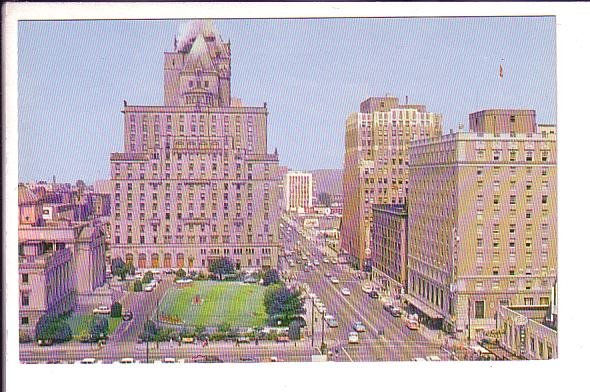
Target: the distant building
pixel 482 220
pixel 298 188
pixel 376 164
pixel 389 241
pixel 195 182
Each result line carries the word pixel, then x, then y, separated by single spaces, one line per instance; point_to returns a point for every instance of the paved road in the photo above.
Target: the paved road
pixel 397 342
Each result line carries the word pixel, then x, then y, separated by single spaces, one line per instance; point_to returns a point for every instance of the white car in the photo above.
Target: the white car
pixel 359 327
pixel 148 288
pixel 334 280
pixel 367 288
pixel 102 310
pixel 418 359
pixel 433 358
pixel 326 261
pixel 183 281
pixel 353 338
pixel 345 291
pixel 334 262
pixel 316 263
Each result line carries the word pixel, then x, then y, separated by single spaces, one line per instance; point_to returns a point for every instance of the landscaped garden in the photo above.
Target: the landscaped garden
pixel 214 303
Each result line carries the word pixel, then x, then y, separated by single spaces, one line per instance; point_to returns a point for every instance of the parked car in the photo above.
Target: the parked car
pixel 334 280
pixel 316 263
pixel 148 288
pixel 243 339
pixel 188 339
pixel 334 261
pixel 169 360
pixel 326 261
pixel 127 360
pixel 184 281
pixel 418 359
pixel 89 361
pixel 359 327
pixel 250 279
pixel 327 274
pixel 345 291
pixel 127 315
pixel 207 358
pixel 283 339
pixel 412 324
pixel 45 342
pixel 248 359
pixel 373 294
pixel 353 338
pixel 102 310
pixel 433 358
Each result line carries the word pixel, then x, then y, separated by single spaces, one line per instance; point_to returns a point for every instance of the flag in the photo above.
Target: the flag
pixel 501 72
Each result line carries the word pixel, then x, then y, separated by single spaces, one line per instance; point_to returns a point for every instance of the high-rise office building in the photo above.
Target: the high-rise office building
pixel 298 191
pixel 195 181
pixel 376 164
pixel 482 220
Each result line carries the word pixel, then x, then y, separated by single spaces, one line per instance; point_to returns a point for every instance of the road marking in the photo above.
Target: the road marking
pixel 357 312
pixel 346 352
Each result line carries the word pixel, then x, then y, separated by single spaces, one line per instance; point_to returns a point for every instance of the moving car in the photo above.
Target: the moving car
pixel 248 359
pixel 345 291
pixel 392 310
pixel 433 358
pixel 326 261
pixel 373 294
pixel 250 279
pixel 169 360
pixel 334 261
pixel 102 310
pixel 89 361
pixel 367 288
pixel 353 338
pixel 334 280
pixel 331 321
pixel 243 339
pixel 359 327
pixel 148 288
pixel 207 358
pixel 327 274
pixel 418 359
pixel 283 339
pixel 184 281
pixel 127 360
pixel 45 342
pixel 316 263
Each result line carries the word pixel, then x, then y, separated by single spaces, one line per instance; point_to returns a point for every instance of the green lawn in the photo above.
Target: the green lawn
pixel 234 303
pixel 80 323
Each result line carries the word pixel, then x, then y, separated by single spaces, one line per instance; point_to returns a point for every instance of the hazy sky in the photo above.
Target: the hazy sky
pixel 74 76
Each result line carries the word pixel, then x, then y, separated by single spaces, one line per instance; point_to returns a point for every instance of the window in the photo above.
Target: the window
pixel 528 300
pixel 479 309
pixel 25 278
pixel 25 299
pixel 24 321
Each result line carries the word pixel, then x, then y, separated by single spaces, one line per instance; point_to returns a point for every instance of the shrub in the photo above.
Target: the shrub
pixel 271 276
pixel 202 276
pixel 116 309
pixel 181 273
pixel 225 327
pixel 216 336
pixel 99 326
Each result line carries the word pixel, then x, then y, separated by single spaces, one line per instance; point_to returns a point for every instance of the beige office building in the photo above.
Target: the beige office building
pixel 298 192
pixel 376 164
pixel 482 220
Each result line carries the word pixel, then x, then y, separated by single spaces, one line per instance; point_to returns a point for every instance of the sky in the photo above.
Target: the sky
pixel 74 75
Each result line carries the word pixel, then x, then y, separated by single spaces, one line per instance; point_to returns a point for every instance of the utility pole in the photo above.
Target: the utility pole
pixel 323 319
pixel 312 320
pixel 469 319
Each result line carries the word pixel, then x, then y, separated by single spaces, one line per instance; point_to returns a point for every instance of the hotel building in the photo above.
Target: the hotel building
pixel 298 188
pixel 376 164
pixel 482 220
pixel 195 182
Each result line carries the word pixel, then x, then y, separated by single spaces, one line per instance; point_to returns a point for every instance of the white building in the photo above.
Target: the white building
pixel 298 191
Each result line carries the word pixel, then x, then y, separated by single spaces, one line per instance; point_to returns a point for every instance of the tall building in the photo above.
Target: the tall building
pixel 389 240
pixel 482 220
pixel 376 164
pixel 298 188
pixel 195 182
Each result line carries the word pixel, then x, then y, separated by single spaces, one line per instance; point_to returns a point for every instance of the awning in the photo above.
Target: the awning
pixel 423 307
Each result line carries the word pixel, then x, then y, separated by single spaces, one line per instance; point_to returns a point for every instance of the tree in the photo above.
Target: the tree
pixel 282 303
pixel 99 326
pixel 52 328
pixel 150 331
pixel 221 267
pixel 116 309
pixel 271 276
pixel 130 268
pixel 147 277
pixel 119 268
pixel 180 274
pixel 325 199
pixel 137 287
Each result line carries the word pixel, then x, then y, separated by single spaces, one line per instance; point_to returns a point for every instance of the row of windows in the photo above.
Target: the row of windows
pixel 203 240
pixel 193 118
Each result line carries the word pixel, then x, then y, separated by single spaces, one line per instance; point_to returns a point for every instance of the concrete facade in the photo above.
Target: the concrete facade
pixel 298 191
pixel 376 164
pixel 482 220
pixel 195 181
pixel 389 240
